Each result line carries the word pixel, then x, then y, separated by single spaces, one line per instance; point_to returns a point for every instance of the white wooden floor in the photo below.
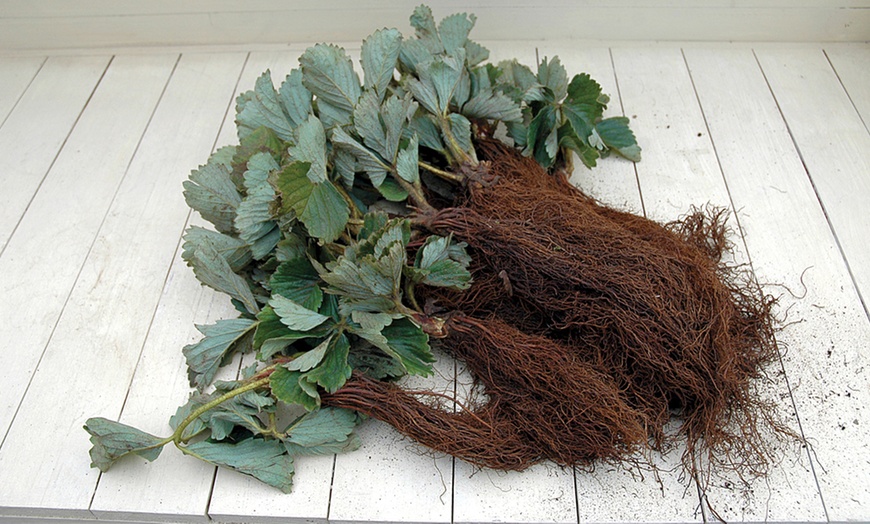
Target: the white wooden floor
pixel 95 303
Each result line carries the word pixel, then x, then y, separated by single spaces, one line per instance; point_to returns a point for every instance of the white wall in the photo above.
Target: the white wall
pixel 47 24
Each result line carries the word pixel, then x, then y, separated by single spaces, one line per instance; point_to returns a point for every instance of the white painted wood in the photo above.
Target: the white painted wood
pixel 852 65
pixel 35 130
pixel 42 25
pixel 391 478
pixel 175 487
pixel 834 154
pixel 236 497
pixel 833 391
pixel 103 326
pixel 42 260
pixel 780 218
pixel 16 73
pixel 680 169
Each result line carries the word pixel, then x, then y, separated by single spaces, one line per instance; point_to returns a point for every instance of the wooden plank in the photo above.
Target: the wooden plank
pixel 785 232
pixel 35 131
pixel 74 198
pixel 16 73
pixel 810 94
pixel 176 487
pixel 103 326
pixel 680 169
pixel 236 497
pixel 852 65
pixel 833 391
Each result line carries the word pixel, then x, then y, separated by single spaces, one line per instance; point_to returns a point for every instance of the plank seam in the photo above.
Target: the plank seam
pixel 24 91
pixel 56 155
pixel 78 274
pixel 622 110
pixel 839 248
pixel 848 94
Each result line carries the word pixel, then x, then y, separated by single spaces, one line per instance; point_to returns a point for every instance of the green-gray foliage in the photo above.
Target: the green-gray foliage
pixel 322 276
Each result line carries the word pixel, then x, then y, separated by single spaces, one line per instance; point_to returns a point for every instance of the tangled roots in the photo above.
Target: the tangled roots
pixel 543 403
pixel 589 330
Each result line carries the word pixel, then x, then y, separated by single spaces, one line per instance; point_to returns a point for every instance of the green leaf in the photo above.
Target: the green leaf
pixel 380 51
pixel 235 251
pixel 375 364
pixel 588 155
pixel 617 136
pixel 424 24
pixel 542 135
pixel 261 107
pixel 213 270
pixel 436 259
pixel 295 316
pixel 427 131
pixel 425 93
pixel 195 401
pixel 112 440
pixel 295 98
pixel 273 336
pixel 219 340
pixel 319 206
pixel 328 73
pixel 494 106
pixel 400 338
pixel 369 282
pixel 583 106
pixel 327 427
pixel 392 191
pixel 460 127
pixel 310 358
pixel 444 74
pixel 406 163
pixel 297 280
pixel 454 30
pixel 368 160
pixel 211 192
pixel 253 216
pixel 521 78
pixel 552 74
pixel 261 140
pixel 311 148
pixel 287 387
pixel 414 53
pixel 475 53
pixel 373 222
pixel 266 460
pixel 241 410
pixel 333 370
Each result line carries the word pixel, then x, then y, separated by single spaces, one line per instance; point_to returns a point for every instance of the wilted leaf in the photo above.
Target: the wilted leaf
pixel 112 440
pixel 442 266
pixel 266 460
pixel 399 338
pixel 328 73
pixel 219 340
pixel 552 74
pixel 235 252
pixel 241 410
pixel 380 51
pixel 261 107
pixel 327 426
pixel 253 216
pixel 287 387
pixel 311 148
pixel 211 192
pixel 212 269
pixel 295 98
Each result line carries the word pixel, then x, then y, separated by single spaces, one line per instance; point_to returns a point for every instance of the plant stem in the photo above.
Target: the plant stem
pixel 446 175
pixel 415 192
pixel 179 431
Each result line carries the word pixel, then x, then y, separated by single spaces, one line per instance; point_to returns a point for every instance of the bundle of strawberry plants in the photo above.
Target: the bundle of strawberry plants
pixel 356 223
